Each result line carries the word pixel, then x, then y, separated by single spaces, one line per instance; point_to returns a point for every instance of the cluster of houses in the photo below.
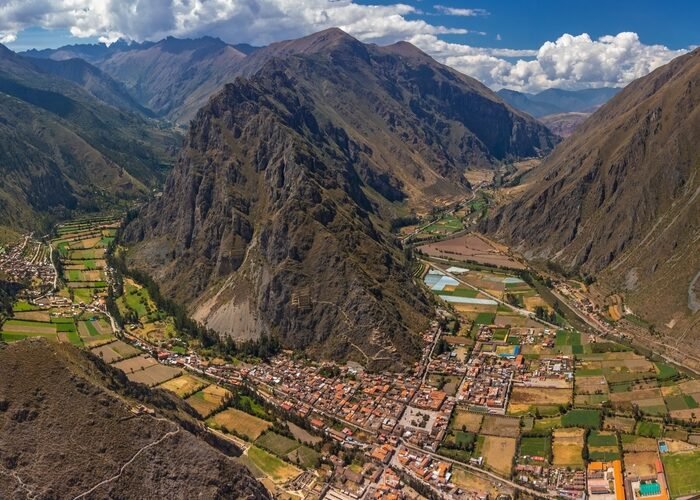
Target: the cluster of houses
pixel 487 382
pixel 27 261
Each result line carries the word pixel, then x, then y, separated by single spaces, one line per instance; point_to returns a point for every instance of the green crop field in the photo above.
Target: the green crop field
pixel 582 418
pixel 24 306
pixel 460 292
pixel 74 338
pixel 73 275
pixel 535 446
pixel 83 295
pixel 565 337
pixel 596 438
pixel 270 465
pixel 13 337
pixel 277 444
pixel 91 328
pixel 464 438
pixel 665 371
pixel 544 424
pixel 66 327
pixel 681 472
pixel 305 457
pixel 682 402
pixel 485 318
pixel 649 429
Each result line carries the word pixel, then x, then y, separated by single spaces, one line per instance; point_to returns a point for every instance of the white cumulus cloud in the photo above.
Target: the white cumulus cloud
pixel 570 62
pixel 456 11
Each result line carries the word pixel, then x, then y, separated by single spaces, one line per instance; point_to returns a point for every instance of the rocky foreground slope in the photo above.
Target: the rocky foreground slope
pixel 66 426
pixel 620 199
pixel 276 217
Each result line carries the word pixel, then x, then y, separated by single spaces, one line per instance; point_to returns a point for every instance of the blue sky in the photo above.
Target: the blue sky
pixel 527 24
pixel 509 43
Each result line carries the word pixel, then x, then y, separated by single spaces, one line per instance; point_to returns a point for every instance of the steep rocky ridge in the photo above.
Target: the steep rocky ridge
pixel 66 425
pixel 94 81
pixel 276 216
pixel 174 77
pixel 620 199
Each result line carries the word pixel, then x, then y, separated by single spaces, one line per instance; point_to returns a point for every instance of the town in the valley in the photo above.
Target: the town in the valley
pixel 526 386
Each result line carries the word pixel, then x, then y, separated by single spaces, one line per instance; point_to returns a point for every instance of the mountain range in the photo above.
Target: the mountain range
pixel 71 138
pixel 277 212
pixel 561 110
pixel 171 78
pixel 620 199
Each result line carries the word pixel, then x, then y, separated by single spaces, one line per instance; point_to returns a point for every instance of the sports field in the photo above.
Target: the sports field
pixel 535 446
pixel 678 466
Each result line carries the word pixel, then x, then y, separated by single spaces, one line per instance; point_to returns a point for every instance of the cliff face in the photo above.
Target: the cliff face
pixel 620 198
pixel 275 219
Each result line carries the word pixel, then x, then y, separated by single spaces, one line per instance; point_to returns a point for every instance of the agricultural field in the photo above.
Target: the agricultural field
pixel 677 467
pixel 495 425
pixel 498 453
pixel 465 420
pixel 277 444
pixel 633 444
pixel 567 447
pixel 276 469
pixel 448 224
pixel 527 399
pixel 602 446
pixel 621 424
pixel 472 247
pixel 540 446
pixel 184 385
pixel 649 429
pixel 115 351
pixel 208 400
pixel 568 342
pixel 581 418
pixel 154 375
pixel 547 423
pixel 237 422
pixel 288 449
pixel 135 363
pixel 82 247
pixel 16 329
